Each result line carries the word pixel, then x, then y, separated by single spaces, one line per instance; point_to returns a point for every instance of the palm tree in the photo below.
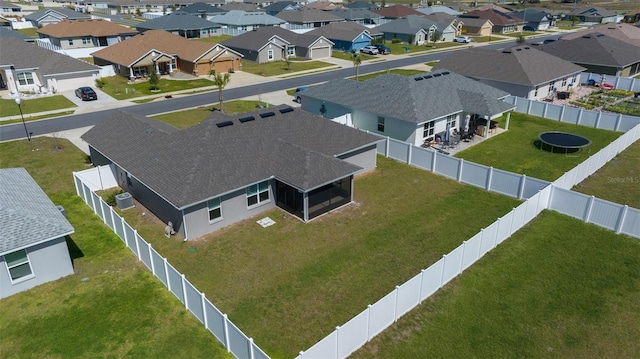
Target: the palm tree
pixel 220 81
pixel 357 60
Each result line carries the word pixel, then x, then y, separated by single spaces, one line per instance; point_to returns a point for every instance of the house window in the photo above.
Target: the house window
pixel 129 182
pixel 258 193
pixel 552 85
pixel 451 121
pixel 380 124
pixel 270 55
pixel 574 79
pixel 215 209
pixel 428 129
pixel 18 265
pixel 70 42
pixel 535 92
pixel 86 40
pixel 564 82
pixel 290 51
pixel 25 78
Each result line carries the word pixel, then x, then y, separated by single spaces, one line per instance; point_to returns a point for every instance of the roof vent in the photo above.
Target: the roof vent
pixel 586 36
pixel 418 78
pixel 445 73
pixel 285 110
pixel 436 75
pixel 267 114
pixel 518 49
pixel 506 51
pixel 246 119
pixel 600 35
pixel 526 47
pixel 428 76
pixel 224 124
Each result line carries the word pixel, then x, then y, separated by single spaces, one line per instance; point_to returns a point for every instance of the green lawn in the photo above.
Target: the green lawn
pixel 516 151
pixel 112 307
pixel 289 285
pixel 617 181
pixel 402 72
pixel 518 33
pixel 214 39
pixel 188 118
pixel 8 107
pixel 277 68
pixel 559 288
pixel 32 31
pixel 347 56
pixel 119 88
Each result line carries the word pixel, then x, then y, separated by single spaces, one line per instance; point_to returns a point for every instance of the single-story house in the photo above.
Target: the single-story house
pixel 625 32
pixel 74 34
pixel 359 16
pixel 346 36
pixel 232 167
pixel 182 24
pixel 7 32
pixel 412 29
pixel 165 52
pixel 438 9
pixel 521 71
pixel 476 27
pixel 240 6
pixel 237 22
pixel 536 19
pixel 502 22
pixel 307 18
pixel 362 5
pixel 393 12
pixel 598 53
pixel 443 20
pixel 323 5
pixel 51 16
pixel 9 9
pixel 203 10
pixel 25 67
pixel 274 43
pixel 276 7
pixel 595 14
pixel 33 247
pixel 408 108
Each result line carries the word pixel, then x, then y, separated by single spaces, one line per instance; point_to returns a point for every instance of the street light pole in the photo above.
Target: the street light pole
pixel 18 102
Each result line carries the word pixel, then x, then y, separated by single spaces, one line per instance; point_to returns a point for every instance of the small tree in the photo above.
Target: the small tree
pixel 357 61
pixel 220 81
pixel 520 39
pixel 154 80
pixel 287 60
pixel 435 36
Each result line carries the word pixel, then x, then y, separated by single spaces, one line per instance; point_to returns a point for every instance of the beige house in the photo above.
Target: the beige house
pixel 74 34
pixel 476 27
pixel 163 52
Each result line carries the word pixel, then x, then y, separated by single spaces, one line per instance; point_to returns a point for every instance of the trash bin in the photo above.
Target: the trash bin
pixel 406 48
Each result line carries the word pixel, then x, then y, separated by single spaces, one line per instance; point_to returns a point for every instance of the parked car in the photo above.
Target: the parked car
pixel 463 39
pixel 382 49
pixel 86 94
pixel 528 28
pixel 298 90
pixel 370 49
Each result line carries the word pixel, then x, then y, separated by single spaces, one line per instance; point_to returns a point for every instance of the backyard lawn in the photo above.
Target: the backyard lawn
pixel 559 288
pixel 277 68
pixel 188 118
pixel 289 285
pixel 8 107
pixel 516 151
pixel 112 307
pixel 119 88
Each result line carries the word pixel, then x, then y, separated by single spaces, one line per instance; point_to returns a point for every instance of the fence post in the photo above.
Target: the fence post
pixel 618 121
pixel 226 333
pixel 523 180
pixel 433 163
pixel 184 292
pixel 204 310
pixel 135 239
pixel 512 218
pixel 633 82
pixel 561 114
pixel 166 274
pixel 75 183
pixel 386 149
pixel 495 237
pixel 529 107
pixel 153 268
pixel 395 306
pixel 421 281
pixel 489 177
pixel 617 82
pixel 578 120
pixel 250 348
pixel 597 125
pixel 337 340
pixel 623 215
pixel 444 264
pixel 587 213
pixel 464 246
pixel 544 110
pixel 409 154
pixel 460 166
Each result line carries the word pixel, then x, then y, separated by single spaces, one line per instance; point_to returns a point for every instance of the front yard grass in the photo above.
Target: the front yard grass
pixel 8 107
pixel 289 285
pixel 618 181
pixel 516 151
pixel 280 67
pixel 347 56
pixel 112 307
pixel 188 118
pixel 559 288
pixel 119 88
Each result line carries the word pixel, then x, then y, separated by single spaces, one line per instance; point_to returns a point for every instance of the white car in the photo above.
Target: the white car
pixel 463 39
pixel 371 50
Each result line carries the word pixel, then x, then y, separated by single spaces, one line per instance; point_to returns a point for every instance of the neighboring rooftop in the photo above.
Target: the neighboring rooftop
pixel 85 27
pixel 625 32
pixel 27 215
pixel 178 20
pixel 23 55
pixel 594 49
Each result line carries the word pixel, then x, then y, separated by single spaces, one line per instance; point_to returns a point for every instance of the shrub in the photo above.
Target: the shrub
pixel 396 41
pixel 110 196
pixel 100 83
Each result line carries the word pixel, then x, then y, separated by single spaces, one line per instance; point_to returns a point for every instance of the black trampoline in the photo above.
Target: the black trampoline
pixel 563 142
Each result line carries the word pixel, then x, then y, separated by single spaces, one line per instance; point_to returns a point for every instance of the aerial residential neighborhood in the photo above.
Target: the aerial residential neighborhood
pixel 319 179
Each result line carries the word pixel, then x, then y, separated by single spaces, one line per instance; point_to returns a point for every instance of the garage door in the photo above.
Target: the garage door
pixel 223 66
pixel 320 52
pixel 74 83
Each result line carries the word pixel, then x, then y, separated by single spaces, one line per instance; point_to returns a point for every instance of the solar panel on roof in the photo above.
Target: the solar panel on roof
pixel 267 114
pixel 224 124
pixel 285 110
pixel 418 78
pixel 246 119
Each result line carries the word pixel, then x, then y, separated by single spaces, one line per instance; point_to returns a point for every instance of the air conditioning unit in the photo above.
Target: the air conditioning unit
pixel 124 200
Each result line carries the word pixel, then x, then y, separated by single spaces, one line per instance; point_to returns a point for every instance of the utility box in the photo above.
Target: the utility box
pixel 124 200
pixel 61 209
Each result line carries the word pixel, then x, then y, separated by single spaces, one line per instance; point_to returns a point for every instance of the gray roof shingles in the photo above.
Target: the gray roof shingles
pixel 27 215
pixel 177 21
pixel 594 49
pixel 202 162
pixel 408 25
pixel 257 39
pixel 404 98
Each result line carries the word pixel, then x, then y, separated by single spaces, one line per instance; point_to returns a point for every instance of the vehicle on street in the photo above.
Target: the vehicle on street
pixel 463 39
pixel 382 49
pixel 298 90
pixel 370 49
pixel 86 94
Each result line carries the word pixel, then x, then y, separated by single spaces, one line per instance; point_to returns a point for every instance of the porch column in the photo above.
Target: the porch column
pixel 155 63
pixel 487 129
pixel 131 77
pixel 171 66
pixel 506 124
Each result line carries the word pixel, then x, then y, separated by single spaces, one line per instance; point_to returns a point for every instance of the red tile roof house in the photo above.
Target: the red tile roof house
pixel 232 167
pixel 73 34
pixel 166 53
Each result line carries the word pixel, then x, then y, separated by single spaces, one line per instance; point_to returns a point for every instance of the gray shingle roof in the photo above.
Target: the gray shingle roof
pixel 594 49
pixel 62 13
pixel 202 8
pixel 5 32
pixel 23 55
pixel 404 98
pixel 257 39
pixel 345 31
pixel 243 18
pixel 518 65
pixel 204 161
pixel 409 25
pixel 27 215
pixel 308 15
pixel 356 14
pixel 177 21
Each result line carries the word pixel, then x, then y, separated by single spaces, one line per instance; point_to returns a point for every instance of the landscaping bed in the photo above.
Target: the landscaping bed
pixel 601 99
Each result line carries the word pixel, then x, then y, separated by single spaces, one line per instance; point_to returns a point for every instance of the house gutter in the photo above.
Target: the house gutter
pixel 37 243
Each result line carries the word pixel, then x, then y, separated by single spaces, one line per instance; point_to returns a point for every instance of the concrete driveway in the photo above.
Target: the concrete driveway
pixel 103 101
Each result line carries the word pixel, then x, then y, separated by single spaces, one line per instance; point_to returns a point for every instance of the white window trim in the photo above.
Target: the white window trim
pixel 217 219
pixel 21 279
pixel 257 194
pixel 26 79
pixel 270 54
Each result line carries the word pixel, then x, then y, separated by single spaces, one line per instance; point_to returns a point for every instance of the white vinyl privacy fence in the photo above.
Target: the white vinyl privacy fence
pixel 233 339
pixel 619 83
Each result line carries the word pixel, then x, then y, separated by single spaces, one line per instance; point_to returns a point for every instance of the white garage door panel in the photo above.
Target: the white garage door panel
pixel 72 84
